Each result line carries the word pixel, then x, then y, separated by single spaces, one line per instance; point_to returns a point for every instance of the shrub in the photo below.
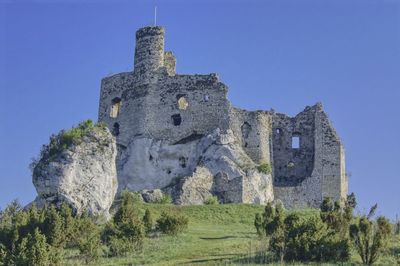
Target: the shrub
pixel 295 238
pixel 265 168
pixel 126 233
pixel 165 199
pixel 148 221
pixel 88 239
pixel 120 246
pixel 172 224
pixel 370 238
pixel 336 217
pixel 63 140
pixel 258 223
pixel 33 250
pixel 52 227
pixel 68 224
pixel 212 200
pixel 126 210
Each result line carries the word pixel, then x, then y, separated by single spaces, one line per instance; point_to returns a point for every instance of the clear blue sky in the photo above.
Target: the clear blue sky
pixel 272 54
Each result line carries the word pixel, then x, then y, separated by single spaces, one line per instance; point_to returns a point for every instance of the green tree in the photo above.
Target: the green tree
pixel 33 250
pixel 370 238
pixel 127 231
pixel 276 227
pixel 68 223
pixel 126 210
pixel 88 239
pixel 148 221
pixel 52 227
pixel 258 223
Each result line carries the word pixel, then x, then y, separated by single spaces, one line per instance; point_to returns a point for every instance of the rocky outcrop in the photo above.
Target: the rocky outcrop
pixel 152 196
pixel 82 175
pixel 195 170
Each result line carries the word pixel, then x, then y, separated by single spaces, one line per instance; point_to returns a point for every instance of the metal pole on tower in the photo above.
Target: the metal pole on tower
pixel 155 16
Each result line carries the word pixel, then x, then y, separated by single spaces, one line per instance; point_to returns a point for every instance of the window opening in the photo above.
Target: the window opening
pixel 176 119
pixel 115 129
pixel 295 142
pixel 246 128
pixel 182 102
pixel 115 107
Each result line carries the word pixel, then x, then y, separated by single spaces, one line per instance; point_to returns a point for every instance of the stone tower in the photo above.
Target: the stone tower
pixel 149 50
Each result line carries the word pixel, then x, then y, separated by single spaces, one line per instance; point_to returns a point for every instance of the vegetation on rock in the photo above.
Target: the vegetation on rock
pixel 66 139
pixel 265 168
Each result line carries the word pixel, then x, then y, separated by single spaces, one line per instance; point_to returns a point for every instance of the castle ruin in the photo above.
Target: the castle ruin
pixel 159 118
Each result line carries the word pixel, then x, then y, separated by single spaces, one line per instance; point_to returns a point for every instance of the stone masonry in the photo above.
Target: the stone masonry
pixel 162 120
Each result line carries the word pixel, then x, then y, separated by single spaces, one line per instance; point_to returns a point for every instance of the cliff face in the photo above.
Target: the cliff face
pixel 82 175
pixel 191 172
pixel 85 176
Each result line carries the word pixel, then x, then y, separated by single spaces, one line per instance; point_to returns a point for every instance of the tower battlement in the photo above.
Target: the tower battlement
pixel 149 50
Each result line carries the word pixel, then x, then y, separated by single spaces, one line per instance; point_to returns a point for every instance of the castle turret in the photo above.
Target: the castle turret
pixel 149 51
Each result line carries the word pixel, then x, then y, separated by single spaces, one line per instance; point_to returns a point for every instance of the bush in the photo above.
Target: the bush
pixel 63 140
pixel 88 239
pixel 295 238
pixel 165 199
pixel 172 224
pixel 258 223
pixel 370 238
pixel 127 231
pixel 33 250
pixel 120 246
pixel 265 168
pixel 52 227
pixel 213 200
pixel 148 221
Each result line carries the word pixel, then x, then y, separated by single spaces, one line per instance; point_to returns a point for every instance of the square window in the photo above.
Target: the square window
pixel 296 142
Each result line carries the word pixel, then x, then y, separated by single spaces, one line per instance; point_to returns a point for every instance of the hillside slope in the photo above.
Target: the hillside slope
pixel 217 235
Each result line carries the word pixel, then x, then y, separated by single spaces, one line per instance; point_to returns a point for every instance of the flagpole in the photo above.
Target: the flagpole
pixel 155 16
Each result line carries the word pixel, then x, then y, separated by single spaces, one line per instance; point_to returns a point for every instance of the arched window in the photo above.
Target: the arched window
pixel 115 107
pixel 115 129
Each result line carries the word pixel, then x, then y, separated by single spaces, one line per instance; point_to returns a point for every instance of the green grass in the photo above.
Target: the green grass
pixel 217 235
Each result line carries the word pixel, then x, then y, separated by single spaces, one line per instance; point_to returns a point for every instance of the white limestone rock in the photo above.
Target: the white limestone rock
pixel 191 172
pixel 84 175
pixel 151 196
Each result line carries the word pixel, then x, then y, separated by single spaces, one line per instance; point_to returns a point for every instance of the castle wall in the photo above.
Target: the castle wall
pixel 334 178
pixel 154 102
pixel 328 178
pixel 293 165
pixel 253 130
pixel 184 107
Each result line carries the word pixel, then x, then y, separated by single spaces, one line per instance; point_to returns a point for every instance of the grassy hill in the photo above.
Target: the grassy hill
pixel 217 235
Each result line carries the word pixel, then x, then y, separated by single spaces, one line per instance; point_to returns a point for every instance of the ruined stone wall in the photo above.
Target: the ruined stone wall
pixel 155 103
pixel 334 179
pixel 185 107
pixel 253 129
pixel 292 165
pixel 130 93
pixel 170 63
pixel 328 178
